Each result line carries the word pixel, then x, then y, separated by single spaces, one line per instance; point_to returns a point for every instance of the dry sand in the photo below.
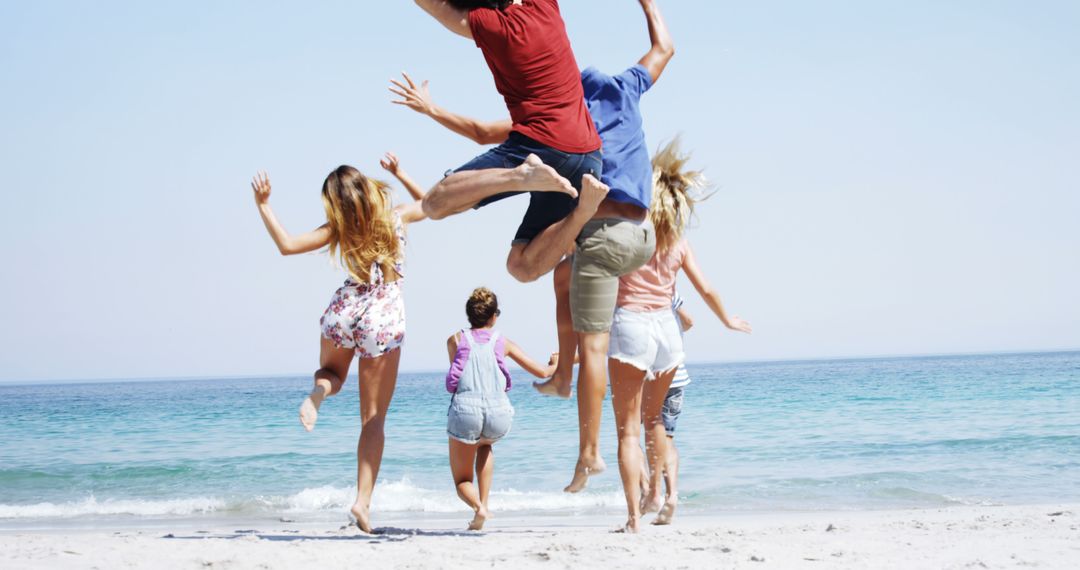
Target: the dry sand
pixel 968 537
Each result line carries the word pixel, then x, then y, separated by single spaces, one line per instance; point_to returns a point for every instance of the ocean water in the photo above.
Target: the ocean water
pixel 844 434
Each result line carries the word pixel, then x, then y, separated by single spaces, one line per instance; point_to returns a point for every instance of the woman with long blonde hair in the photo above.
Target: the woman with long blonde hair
pixel 646 343
pixel 366 316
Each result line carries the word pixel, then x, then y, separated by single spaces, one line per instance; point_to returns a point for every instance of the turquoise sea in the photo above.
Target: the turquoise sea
pixel 841 434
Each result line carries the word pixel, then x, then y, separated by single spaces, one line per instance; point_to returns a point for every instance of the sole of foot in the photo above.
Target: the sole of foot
pixel 309 414
pixel 540 177
pixel 667 513
pixel 581 475
pixel 651 504
pixel 549 388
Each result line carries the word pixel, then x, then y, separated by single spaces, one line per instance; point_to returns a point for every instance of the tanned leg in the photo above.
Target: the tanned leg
pixel 592 385
pixel 560 383
pixel 462 456
pixel 463 190
pixel 671 479
pixel 334 365
pixel 378 377
pixel 653 395
pixel 485 474
pixel 626 384
pixel 528 262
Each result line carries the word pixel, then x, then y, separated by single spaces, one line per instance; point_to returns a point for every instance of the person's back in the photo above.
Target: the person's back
pixel 535 71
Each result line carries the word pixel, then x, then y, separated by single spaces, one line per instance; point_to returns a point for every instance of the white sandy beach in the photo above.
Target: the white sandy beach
pixel 967 537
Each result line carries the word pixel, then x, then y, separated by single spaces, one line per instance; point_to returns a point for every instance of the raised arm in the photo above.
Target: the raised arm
pixel 658 56
pixel 410 212
pixel 418 99
pixel 286 244
pixel 528 364
pixel 455 19
pixel 711 297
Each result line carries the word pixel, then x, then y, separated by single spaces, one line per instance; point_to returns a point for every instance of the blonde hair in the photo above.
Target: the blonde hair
pixel 675 193
pixel 481 306
pixel 362 232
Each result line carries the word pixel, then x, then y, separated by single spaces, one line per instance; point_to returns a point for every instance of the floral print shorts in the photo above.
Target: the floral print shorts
pixel 369 319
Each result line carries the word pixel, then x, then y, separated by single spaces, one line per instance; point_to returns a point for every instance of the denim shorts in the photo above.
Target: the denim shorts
pixel 471 423
pixel 545 208
pixel 648 341
pixel 672 409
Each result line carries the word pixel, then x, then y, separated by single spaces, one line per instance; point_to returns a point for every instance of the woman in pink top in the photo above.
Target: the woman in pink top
pixel 646 345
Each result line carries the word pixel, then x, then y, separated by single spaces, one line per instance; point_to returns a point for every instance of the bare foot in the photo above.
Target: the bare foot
pixel 309 409
pixel 582 472
pixel 552 387
pixel 668 512
pixel 651 504
pixel 363 519
pixel 592 193
pixel 482 515
pixel 539 177
pixel 631 527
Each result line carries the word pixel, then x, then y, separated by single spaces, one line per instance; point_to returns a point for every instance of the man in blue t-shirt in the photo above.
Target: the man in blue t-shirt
pixel 617 240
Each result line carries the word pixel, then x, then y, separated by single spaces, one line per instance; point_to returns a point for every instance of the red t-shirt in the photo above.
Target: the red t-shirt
pixel 535 71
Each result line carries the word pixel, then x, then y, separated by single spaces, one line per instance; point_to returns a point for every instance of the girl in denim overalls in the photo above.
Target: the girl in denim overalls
pixel 480 412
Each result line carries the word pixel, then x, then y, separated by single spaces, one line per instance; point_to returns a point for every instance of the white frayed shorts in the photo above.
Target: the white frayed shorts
pixel 647 341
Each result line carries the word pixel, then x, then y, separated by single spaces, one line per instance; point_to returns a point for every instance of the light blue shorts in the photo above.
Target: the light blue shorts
pixel 470 423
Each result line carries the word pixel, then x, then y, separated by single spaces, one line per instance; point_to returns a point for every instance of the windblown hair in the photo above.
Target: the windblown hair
pixel 481 306
pixel 676 191
pixel 471 4
pixel 361 224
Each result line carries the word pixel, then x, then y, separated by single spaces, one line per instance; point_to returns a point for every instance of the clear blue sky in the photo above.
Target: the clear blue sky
pixel 893 178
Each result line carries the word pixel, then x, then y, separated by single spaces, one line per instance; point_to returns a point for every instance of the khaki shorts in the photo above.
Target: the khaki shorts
pixel 607 249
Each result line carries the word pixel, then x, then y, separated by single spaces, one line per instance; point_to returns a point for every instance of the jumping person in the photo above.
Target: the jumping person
pixel 480 412
pixel 646 344
pixel 618 239
pixel 526 48
pixel 366 317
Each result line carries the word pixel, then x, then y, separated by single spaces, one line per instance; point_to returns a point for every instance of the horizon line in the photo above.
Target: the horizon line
pixel 133 379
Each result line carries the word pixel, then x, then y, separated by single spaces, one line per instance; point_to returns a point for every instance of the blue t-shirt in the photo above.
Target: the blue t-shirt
pixel 614 105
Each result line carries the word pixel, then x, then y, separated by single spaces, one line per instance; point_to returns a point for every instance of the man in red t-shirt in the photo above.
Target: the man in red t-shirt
pixel 553 151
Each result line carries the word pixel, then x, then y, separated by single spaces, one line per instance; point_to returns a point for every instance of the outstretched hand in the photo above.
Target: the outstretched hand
pixel 389 163
pixel 737 324
pixel 416 98
pixel 261 185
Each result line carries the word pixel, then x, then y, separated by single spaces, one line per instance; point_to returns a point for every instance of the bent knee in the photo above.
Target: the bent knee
pixel 520 270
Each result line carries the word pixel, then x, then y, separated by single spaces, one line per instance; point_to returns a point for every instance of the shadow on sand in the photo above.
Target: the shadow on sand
pixel 380 534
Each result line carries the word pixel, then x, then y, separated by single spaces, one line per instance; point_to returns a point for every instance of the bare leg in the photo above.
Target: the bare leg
pixel 671 479
pixel 378 377
pixel 626 400
pixel 462 456
pixel 560 384
pixel 528 262
pixel 463 190
pixel 334 365
pixel 485 474
pixel 652 404
pixel 592 385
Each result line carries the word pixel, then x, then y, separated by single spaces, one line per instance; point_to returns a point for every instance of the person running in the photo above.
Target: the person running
pixel 366 316
pixel 553 151
pixel 480 412
pixel 646 344
pixel 618 239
